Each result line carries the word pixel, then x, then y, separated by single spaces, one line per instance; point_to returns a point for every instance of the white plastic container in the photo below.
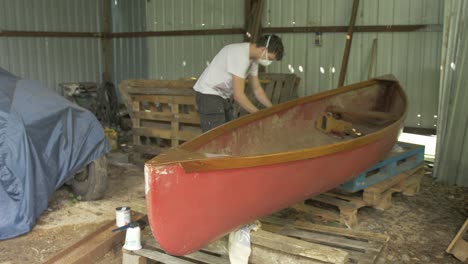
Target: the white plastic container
pixel 132 238
pixel 122 216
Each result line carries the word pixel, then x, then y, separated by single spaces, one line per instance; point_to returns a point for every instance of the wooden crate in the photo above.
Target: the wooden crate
pixel 163 114
pixel 378 196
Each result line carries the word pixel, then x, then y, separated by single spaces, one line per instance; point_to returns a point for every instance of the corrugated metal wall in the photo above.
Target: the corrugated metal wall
pixel 51 60
pixel 414 58
pixel 130 55
pixel 186 56
pixel 451 165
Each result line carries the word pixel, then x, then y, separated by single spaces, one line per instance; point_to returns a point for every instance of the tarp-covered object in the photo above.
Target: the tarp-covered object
pixel 44 141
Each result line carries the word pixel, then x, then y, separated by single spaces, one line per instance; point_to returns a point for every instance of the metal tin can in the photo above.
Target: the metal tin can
pixel 122 216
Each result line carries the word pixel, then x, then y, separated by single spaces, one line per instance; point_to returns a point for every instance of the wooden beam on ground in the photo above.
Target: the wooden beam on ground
pixel 93 246
pixel 349 39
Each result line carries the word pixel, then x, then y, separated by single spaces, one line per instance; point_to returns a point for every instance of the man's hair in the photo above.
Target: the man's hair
pixel 275 45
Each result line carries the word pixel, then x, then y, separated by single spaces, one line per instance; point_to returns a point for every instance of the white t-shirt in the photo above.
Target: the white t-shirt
pixel 217 77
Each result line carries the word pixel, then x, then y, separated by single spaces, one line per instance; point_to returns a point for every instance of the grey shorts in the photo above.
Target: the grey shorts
pixel 213 110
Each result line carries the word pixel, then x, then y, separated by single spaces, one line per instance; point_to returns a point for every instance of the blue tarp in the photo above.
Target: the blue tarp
pixel 44 141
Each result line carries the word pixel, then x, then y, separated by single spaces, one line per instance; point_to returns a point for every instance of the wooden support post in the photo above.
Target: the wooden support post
pixel 175 125
pixel 106 42
pixel 349 38
pixel 373 59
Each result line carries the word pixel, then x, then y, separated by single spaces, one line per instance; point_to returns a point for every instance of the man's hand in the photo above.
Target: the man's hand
pixel 238 87
pixel 259 92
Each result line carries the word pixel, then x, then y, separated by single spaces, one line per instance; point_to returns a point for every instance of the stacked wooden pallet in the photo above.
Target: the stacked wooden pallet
pixel 163 114
pixel 400 172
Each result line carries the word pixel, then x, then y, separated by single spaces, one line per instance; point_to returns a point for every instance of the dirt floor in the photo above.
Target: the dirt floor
pixel 420 227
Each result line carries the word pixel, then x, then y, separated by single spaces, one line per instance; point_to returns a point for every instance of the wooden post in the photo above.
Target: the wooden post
pixel 373 59
pixel 349 38
pixel 106 41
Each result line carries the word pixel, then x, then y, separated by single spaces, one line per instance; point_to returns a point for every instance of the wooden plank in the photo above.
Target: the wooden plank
pixel 165 99
pixel 164 133
pixel 129 258
pixel 273 248
pixel 135 122
pixel 373 59
pixel 199 255
pixel 171 84
pixel 161 257
pixel 330 229
pixel 459 247
pixel 93 246
pixel 175 126
pixel 158 91
pixel 279 87
pixel 329 239
pixel 191 118
pixel 387 184
pixel 363 114
pixel 297 247
pixel 349 39
pixel 309 209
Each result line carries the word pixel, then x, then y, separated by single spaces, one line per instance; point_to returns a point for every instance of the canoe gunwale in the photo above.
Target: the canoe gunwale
pixel 235 162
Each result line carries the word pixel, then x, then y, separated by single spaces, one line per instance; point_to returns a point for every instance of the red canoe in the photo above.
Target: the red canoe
pixel 264 162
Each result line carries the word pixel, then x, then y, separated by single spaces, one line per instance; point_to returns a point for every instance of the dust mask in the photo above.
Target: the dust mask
pixel 265 62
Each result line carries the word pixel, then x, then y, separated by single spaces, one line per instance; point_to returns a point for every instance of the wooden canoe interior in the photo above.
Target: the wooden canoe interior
pixel 367 109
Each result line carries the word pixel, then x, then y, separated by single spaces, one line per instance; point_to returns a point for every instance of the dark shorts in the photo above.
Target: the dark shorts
pixel 214 110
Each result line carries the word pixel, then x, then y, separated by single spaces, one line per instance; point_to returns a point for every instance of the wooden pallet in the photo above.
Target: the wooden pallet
pixel 267 247
pixel 281 241
pixel 459 245
pixel 398 161
pixel 378 196
pixel 163 114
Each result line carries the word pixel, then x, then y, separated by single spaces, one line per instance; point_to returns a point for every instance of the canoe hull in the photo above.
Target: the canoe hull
pixel 188 210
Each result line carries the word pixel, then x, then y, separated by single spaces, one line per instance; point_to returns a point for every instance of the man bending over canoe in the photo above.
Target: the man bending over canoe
pixel 225 78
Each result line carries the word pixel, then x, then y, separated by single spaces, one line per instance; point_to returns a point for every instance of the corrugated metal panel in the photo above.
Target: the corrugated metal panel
pixel 452 152
pixel 186 56
pixel 414 58
pixel 130 55
pixel 51 60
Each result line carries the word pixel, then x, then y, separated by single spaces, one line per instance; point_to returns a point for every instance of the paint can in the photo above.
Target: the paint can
pixel 122 216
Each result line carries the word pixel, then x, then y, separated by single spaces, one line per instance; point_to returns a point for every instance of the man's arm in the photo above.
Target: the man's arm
pixel 258 91
pixel 238 86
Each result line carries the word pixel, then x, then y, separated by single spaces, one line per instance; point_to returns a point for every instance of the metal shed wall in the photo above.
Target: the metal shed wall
pixel 414 58
pixel 48 59
pixel 186 56
pixel 130 55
